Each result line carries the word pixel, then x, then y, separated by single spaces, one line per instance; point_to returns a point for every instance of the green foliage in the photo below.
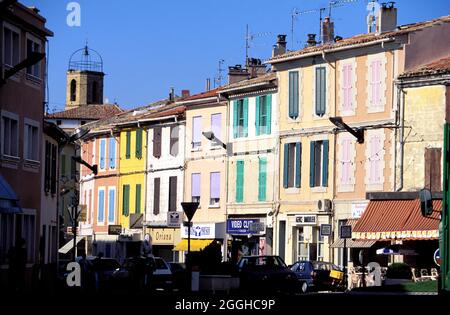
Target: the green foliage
pixel 399 271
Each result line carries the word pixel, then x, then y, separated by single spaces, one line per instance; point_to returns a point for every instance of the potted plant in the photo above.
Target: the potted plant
pixel 398 273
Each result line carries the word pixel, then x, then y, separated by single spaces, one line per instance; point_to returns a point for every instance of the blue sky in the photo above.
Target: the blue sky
pixel 150 45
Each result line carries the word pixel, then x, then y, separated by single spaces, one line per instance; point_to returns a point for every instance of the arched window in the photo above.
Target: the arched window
pixel 94 93
pixel 73 90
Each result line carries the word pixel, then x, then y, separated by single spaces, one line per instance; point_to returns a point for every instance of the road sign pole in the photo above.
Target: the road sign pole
pixel 444 225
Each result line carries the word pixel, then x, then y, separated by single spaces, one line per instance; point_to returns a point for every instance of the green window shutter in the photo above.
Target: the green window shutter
pixel 138 199
pixel 298 164
pixel 286 166
pixel 128 145
pixel 126 200
pixel 138 152
pixel 325 164
pixel 239 181
pixel 320 91
pixel 262 179
pixel 235 119
pixel 257 114
pixel 311 163
pixel 268 114
pixel 245 131
pixel 293 94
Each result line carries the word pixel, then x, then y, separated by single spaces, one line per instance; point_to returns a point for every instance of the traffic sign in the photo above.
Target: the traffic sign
pixel 325 229
pixel 437 257
pixel 174 219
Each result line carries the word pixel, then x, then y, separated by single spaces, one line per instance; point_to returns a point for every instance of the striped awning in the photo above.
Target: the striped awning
pixel 352 243
pixel 397 219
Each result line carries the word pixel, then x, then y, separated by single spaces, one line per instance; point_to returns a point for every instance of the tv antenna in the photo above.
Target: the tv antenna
pixel 248 39
pixel 218 80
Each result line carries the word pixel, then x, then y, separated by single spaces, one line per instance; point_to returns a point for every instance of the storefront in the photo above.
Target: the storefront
pixel 163 241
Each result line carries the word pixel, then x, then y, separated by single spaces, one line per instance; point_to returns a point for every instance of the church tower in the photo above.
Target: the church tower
pixel 84 79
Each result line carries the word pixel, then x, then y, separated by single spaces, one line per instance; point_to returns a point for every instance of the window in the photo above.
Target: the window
pixel 73 90
pixel 263 114
pixel 320 91
pixel 10 134
pixel 262 179
pixel 111 205
pixel 11 46
pixel 320 245
pixel 29 235
pixel 6 235
pixel 138 151
pixel 102 154
pixel 240 181
pixel 375 83
pixel 33 46
pixel 216 125
pixel 346 161
pixel 31 141
pixel 137 208
pixel 375 152
pixel 172 193
pixel 112 153
pixel 318 175
pixel 433 168
pixel 196 132
pixel 302 245
pixel 157 142
pixel 126 200
pixel 293 94
pixel 214 194
pixel 292 165
pixel 128 145
pixel 240 115
pixel 195 187
pixel 53 178
pixel 347 82
pixel 156 194
pixel 50 168
pixel 95 92
pixel 101 206
pixel 174 140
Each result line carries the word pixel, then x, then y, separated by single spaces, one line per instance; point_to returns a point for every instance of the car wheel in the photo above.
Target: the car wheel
pixel 304 287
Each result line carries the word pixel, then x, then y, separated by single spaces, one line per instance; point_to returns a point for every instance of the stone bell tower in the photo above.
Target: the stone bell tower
pixel 84 79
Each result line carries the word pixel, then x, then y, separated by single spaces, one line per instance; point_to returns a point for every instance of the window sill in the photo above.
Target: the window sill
pixel 319 189
pixel 10 158
pixel 375 109
pixel 213 206
pixel 215 147
pixel 196 149
pixel 292 190
pixel 33 78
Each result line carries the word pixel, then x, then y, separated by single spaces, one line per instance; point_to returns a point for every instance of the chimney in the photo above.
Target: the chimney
pixel 171 94
pixel 185 93
pixel 387 18
pixel 311 40
pixel 327 31
pixel 280 47
pixel 255 67
pixel 208 84
pixel 236 73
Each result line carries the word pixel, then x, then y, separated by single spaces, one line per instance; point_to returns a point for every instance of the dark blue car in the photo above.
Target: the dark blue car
pixel 318 275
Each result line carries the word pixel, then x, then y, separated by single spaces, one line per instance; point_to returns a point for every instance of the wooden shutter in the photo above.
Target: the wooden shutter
pixel 325 163
pixel 312 148
pixel 53 172
pixel 257 115
pixel 101 206
pixel 239 181
pixel 298 164
pixel 293 94
pixel 433 168
pixel 128 145
pixel 48 158
pixel 245 110
pixel 174 135
pixel 262 179
pixel 126 200
pixel 156 195
pixel 347 87
pixel 102 153
pixel 111 205
pixel 157 142
pixel 286 166
pixel 345 163
pixel 320 91
pixel 216 125
pixel 235 119
pixel 268 114
pixel 137 208
pixel 112 153
pixel 138 151
pixel 172 193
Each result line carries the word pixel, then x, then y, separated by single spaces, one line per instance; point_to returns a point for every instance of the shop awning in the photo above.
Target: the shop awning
pixel 397 219
pixel 8 198
pixel 352 243
pixel 69 245
pixel 196 245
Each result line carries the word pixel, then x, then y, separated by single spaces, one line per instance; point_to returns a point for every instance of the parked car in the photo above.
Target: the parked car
pixel 179 275
pixel 318 275
pixel 266 273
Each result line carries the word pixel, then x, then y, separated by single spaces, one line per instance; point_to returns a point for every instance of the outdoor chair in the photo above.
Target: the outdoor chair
pixel 434 274
pixel 424 273
pixel 415 275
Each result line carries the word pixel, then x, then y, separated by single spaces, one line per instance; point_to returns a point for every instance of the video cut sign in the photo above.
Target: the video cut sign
pixel 241 226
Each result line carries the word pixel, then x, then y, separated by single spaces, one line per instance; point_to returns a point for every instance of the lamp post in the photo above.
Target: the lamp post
pixel 189 209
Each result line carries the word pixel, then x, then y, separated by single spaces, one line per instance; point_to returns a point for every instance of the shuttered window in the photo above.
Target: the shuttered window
pixel 345 161
pixel 263 114
pixel 240 121
pixel 293 94
pixel 53 179
pixel 196 132
pixel 375 161
pixel 292 165
pixel 112 153
pixel 126 200
pixel 262 179
pixel 347 72
pixel 128 145
pixel 174 135
pixel 320 91
pixel 375 83
pixel 172 193
pixel 111 205
pixel 101 206
pixel 239 181
pixel 214 197
pixel 138 151
pixel 433 168
pixel 157 142
pixel 48 160
pixel 102 154
pixel 195 187
pixel 156 195
pixel 137 208
pixel 318 173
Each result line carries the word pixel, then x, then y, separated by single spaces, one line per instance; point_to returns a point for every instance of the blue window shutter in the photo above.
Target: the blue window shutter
pixel 245 133
pixel 269 114
pixel 298 164
pixel 311 163
pixel 112 153
pixel 111 205
pixel 235 119
pixel 102 153
pixel 257 113
pixel 101 205
pixel 286 166
pixel 262 178
pixel 325 164
pixel 239 181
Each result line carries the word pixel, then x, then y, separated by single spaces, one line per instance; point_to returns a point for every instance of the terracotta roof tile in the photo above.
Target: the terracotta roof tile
pixel 440 66
pixel 201 95
pixel 265 78
pixel 88 112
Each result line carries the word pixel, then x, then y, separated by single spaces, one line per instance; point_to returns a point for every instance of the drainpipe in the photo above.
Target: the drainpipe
pixel 402 137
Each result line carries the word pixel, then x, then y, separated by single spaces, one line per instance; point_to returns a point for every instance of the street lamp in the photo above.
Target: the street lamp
pixel 189 209
pixel 357 133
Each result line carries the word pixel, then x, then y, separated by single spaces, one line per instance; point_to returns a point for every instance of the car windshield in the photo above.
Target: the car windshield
pixel 266 261
pixel 160 264
pixel 107 264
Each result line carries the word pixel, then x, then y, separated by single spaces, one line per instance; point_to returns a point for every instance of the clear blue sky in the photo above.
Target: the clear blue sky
pixel 150 45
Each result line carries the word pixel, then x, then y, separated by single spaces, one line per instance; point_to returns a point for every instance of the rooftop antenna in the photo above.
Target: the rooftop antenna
pixel 218 80
pixel 248 38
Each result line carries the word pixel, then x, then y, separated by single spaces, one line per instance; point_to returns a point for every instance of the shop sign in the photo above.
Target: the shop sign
pixel 240 226
pixel 200 230
pixel 325 229
pixel 114 229
pixel 256 227
pixel 162 236
pixel 305 219
pixel 358 210
pixel 174 219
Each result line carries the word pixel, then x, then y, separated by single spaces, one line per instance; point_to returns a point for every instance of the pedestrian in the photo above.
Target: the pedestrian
pixel 17 256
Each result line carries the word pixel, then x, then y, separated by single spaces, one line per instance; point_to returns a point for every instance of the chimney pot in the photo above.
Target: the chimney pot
pixel 280 47
pixel 185 93
pixel 311 40
pixel 386 20
pixel 171 94
pixel 327 30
